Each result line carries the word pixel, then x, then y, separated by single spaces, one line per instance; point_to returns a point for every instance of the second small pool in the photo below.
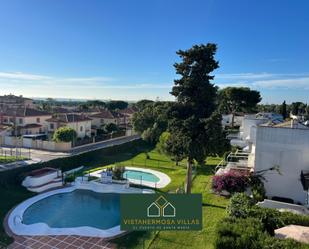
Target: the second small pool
pixel 140 175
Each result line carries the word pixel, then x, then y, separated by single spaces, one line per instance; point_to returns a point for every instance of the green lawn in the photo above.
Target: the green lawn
pixel 9 159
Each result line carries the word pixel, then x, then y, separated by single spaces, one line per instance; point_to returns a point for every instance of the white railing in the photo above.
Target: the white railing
pixel 237 160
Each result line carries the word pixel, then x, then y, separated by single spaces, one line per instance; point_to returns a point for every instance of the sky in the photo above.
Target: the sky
pixel 125 49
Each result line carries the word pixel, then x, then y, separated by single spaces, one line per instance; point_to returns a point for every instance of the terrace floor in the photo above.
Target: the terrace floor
pixel 59 242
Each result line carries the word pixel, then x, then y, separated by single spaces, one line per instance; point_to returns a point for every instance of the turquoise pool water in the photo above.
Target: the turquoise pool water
pixel 76 209
pixel 138 175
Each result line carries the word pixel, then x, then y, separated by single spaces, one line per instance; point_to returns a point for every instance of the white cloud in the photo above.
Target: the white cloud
pixel 244 76
pixel 284 83
pixel 23 76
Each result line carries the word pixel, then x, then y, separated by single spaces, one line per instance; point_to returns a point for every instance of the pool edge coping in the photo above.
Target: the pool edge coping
pixel 35 229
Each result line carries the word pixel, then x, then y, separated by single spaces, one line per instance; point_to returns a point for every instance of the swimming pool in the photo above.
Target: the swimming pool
pixel 83 209
pixel 76 209
pixel 140 175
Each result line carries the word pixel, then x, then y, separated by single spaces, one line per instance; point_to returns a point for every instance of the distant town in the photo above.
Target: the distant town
pixel 24 120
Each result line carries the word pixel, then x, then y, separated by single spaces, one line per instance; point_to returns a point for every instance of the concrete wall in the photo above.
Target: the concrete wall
pixel 288 149
pixel 36 144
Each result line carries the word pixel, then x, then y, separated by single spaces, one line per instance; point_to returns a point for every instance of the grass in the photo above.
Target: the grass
pixel 10 159
pixel 213 206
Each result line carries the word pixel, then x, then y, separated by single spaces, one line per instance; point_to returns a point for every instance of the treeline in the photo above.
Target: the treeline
pixel 112 105
pixel 295 108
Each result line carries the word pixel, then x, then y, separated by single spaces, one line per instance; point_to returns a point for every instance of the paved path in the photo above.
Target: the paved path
pixel 59 242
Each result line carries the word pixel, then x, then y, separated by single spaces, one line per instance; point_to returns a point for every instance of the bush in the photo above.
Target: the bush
pixel 232 182
pixel 240 205
pixel 238 233
pixel 257 188
pixel 118 172
pixel 289 218
pixel 274 243
pixel 64 134
pixel 270 218
pixel 69 178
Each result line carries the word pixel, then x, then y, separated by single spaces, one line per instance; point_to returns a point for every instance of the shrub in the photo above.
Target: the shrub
pixel 69 178
pixel 270 218
pixel 274 243
pixel 239 205
pixel 257 188
pixel 232 182
pixel 118 172
pixel 239 233
pixel 289 218
pixel 64 134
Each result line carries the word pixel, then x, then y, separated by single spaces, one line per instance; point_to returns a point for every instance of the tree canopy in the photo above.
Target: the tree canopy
pixel 234 99
pixel 117 104
pixel 64 134
pixel 194 126
pixel 151 121
pixel 141 104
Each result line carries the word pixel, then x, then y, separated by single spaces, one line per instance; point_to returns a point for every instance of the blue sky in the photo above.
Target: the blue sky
pixel 125 49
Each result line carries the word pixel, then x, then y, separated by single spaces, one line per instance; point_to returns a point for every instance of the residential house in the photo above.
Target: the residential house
pixel 103 117
pixel 25 120
pixel 80 123
pixel 12 101
pixel 128 112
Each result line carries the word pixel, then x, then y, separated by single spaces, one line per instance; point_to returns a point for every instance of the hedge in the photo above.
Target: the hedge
pixel 238 233
pixel 95 158
pixel 241 206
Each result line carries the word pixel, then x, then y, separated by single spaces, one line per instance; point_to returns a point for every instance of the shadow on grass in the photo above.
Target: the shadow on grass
pixel 137 239
pixel 212 205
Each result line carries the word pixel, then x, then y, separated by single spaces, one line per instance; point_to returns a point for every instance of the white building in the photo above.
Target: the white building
pixel 278 151
pixel 287 149
pixel 227 120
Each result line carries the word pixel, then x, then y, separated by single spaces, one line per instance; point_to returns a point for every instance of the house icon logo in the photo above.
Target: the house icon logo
pixel 161 208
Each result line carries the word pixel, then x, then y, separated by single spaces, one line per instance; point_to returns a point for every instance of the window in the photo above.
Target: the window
pixel 51 126
pixel 38 120
pixel 102 121
pixel 20 120
pixel 81 128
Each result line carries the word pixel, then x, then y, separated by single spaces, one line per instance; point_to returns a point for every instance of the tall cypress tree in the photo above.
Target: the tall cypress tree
pixel 283 110
pixel 195 127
